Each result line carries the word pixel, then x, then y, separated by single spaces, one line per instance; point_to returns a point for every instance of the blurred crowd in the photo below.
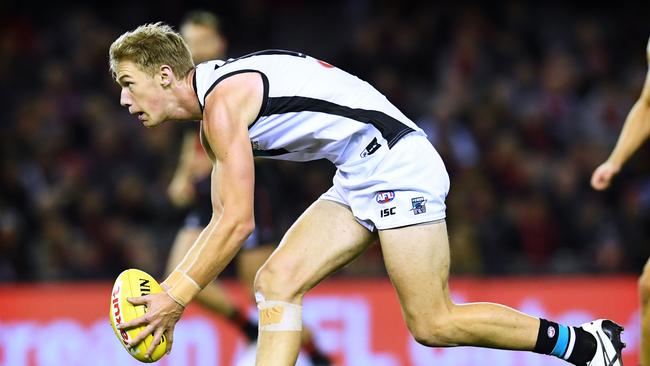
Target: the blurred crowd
pixel 522 101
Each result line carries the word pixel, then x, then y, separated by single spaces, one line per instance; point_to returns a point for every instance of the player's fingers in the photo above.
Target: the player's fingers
pixel 600 185
pixel 140 300
pixel 142 335
pixel 601 178
pixel 133 323
pixel 596 181
pixel 169 334
pixel 157 336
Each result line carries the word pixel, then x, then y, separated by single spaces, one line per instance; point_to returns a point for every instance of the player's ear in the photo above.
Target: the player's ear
pixel 166 75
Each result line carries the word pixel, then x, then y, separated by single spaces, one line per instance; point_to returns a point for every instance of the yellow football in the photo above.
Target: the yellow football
pixel 134 283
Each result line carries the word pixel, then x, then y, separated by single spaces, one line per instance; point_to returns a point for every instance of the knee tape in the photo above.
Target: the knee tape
pixel 278 316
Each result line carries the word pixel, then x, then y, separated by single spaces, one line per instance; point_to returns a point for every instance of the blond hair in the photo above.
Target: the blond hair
pixel 149 46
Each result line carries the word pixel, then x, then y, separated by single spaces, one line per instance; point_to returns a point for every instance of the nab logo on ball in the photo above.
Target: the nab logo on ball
pixel 117 313
pixel 385 196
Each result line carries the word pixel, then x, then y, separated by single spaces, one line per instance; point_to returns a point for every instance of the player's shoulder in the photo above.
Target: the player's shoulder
pixel 242 95
pixel 241 83
pixel 204 74
pixel 269 54
pixel 647 50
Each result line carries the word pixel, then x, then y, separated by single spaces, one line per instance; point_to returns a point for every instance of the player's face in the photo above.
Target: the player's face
pixel 141 93
pixel 204 42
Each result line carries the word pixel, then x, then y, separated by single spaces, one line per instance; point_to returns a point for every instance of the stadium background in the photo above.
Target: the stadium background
pixel 522 100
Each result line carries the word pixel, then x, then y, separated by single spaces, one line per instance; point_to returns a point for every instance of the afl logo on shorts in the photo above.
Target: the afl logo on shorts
pixel 385 196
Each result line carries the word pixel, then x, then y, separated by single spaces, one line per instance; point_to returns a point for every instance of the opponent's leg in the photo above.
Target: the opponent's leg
pixel 325 238
pixel 249 261
pixel 417 260
pixel 644 293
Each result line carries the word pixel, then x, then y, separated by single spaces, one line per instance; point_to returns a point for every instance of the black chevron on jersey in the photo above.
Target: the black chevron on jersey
pixel 272 152
pixel 391 128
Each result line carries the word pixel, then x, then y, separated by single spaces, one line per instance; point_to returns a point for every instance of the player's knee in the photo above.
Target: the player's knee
pixel 433 331
pixel 275 281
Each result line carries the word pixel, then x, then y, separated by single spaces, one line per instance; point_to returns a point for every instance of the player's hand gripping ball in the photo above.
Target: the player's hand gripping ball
pixel 134 283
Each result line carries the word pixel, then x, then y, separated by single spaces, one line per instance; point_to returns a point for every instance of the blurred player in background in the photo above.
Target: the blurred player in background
pixel 390 184
pixel 636 131
pixel 191 187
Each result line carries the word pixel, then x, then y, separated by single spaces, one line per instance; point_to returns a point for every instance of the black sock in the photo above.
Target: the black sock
pixel 570 343
pixel 250 330
pixel 247 327
pixel 547 336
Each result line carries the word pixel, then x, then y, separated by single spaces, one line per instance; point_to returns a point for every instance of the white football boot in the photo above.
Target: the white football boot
pixel 608 340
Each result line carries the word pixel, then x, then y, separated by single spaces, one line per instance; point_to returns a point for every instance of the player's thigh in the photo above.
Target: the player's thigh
pixel 250 260
pixel 417 261
pixel 322 240
pixel 184 240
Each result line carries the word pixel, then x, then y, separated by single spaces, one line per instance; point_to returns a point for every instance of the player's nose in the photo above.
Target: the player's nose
pixel 125 98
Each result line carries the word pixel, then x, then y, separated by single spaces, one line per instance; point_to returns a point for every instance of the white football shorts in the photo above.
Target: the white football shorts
pixel 401 186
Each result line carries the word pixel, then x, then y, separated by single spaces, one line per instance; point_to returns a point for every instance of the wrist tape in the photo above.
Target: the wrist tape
pixel 181 287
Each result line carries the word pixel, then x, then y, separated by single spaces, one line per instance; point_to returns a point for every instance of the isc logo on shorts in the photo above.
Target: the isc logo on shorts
pixel 385 196
pixel 387 212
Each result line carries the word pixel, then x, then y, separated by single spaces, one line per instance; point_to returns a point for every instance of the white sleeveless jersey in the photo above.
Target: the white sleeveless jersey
pixel 647 50
pixel 311 110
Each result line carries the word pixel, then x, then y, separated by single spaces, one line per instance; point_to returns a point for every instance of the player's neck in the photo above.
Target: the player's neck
pixel 187 107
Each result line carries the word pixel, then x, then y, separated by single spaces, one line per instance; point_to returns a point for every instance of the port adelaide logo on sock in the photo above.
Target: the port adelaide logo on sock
pixel 419 205
pixel 550 332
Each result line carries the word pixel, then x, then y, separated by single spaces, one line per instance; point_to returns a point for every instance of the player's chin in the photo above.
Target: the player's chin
pixel 149 123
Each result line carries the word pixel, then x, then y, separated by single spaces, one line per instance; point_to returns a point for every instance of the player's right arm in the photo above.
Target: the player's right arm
pixel 636 130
